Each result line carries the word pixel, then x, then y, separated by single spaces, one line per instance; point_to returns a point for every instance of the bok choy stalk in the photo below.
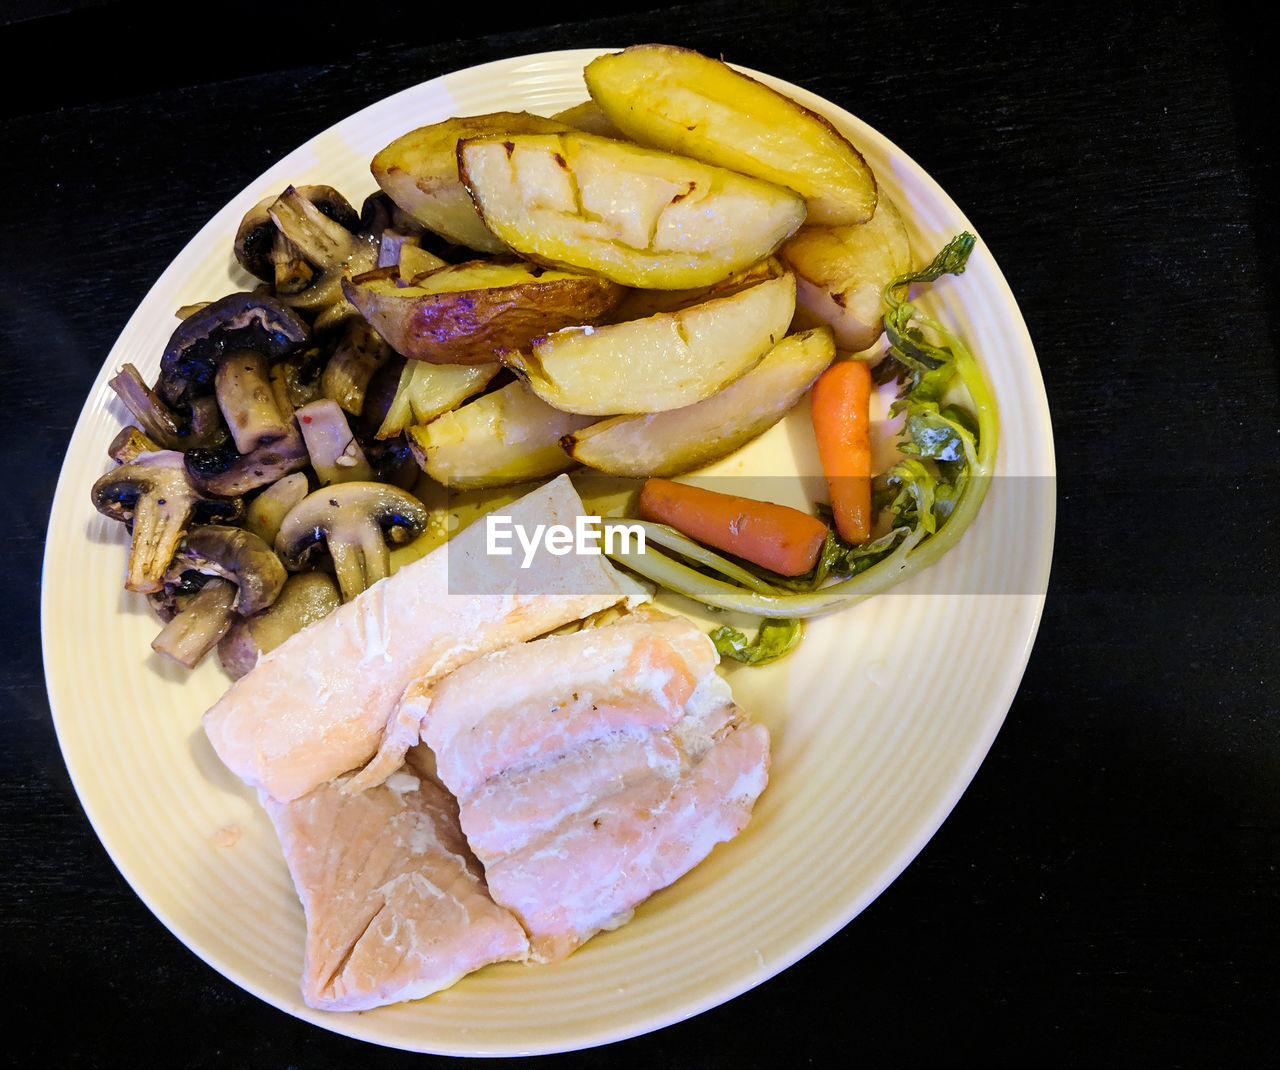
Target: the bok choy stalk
pixel 933 493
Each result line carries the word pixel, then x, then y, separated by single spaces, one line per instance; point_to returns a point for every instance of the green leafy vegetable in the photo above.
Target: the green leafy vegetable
pixel 774 638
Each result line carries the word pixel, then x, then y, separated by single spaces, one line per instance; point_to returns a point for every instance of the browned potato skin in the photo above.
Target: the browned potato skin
pixel 470 326
pixel 507 436
pixel 662 362
pixel 634 89
pixel 643 217
pixel 841 273
pixel 637 304
pixel 419 171
pixel 671 443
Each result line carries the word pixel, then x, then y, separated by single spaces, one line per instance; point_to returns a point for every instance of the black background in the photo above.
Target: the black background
pixel 1106 890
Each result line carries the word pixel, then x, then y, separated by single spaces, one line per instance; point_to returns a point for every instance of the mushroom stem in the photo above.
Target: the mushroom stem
pixel 154 493
pixel 247 402
pixel 158 523
pixel 321 240
pixel 355 521
pixel 291 272
pixel 197 627
pixel 362 561
pixel 156 418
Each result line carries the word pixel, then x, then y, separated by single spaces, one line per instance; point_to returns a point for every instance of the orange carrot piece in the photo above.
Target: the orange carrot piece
pixel 776 537
pixel 840 402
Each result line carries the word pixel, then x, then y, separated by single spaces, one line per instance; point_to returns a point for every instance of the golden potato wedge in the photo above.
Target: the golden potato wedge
pixel 684 102
pixel 677 441
pixel 588 118
pixel 841 273
pixel 462 313
pixel 419 171
pixel 638 216
pixel 506 436
pixel 426 390
pixel 661 362
pixel 415 260
pixel 636 304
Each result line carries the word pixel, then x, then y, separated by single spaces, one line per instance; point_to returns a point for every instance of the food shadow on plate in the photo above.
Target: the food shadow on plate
pixel 212 769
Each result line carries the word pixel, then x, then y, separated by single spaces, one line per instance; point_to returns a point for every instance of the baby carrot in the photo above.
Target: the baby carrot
pixel 776 537
pixel 840 402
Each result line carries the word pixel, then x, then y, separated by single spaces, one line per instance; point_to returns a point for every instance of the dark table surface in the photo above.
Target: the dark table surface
pixel 1106 890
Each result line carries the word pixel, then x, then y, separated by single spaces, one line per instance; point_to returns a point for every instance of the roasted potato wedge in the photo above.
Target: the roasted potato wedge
pixel 462 313
pixel 841 273
pixel 660 362
pixel 684 102
pixel 637 304
pixel 415 260
pixel 677 441
pixel 588 118
pixel 427 390
pixel 419 171
pixel 506 436
pixel 639 216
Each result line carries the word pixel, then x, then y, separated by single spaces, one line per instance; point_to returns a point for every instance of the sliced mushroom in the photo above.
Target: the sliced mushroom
pixel 196 628
pixel 171 431
pixel 234 573
pixel 356 521
pixel 130 443
pixel 335 454
pixel 360 352
pixel 245 320
pixel 255 244
pixel 243 389
pixel 326 244
pixel 155 496
pixel 307 596
pixel 239 556
pixel 227 473
pixel 264 515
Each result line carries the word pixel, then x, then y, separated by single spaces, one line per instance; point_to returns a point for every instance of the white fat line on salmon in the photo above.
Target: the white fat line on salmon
pixel 587 536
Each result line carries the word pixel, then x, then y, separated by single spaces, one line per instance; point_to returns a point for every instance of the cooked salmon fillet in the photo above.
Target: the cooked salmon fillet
pixel 396 904
pixel 593 769
pixel 328 699
pixel 541 699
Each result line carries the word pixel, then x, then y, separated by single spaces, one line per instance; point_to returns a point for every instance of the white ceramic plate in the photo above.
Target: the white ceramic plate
pixel 880 719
